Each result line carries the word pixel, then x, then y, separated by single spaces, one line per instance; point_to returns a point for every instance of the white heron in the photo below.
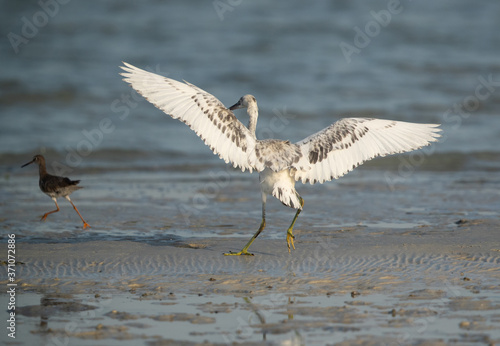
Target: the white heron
pixel 323 156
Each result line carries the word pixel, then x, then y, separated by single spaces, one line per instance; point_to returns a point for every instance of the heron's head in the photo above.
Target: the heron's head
pixel 244 102
pixel 38 159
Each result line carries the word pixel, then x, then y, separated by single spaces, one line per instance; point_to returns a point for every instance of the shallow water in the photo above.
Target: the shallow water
pixel 145 206
pixel 157 318
pixel 61 93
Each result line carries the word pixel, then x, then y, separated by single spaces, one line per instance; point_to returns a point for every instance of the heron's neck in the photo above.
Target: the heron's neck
pixel 253 114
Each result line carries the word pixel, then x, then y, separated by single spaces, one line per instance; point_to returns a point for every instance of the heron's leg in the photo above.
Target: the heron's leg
pixel 44 217
pixel 85 224
pixel 289 235
pixel 244 251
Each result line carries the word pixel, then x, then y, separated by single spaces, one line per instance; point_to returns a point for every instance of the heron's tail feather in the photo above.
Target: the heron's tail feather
pixel 287 195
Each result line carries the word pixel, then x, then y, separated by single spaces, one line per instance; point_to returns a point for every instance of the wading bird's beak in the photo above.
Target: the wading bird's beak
pixel 237 105
pixel 28 163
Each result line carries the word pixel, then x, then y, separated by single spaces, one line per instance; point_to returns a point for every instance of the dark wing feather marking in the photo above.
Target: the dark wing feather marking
pixel 344 145
pixel 334 137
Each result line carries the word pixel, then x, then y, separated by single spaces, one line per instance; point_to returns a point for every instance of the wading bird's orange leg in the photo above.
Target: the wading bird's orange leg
pixel 85 224
pixel 44 217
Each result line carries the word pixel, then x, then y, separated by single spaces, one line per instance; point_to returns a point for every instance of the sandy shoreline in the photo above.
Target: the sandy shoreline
pixel 338 288
pixel 335 264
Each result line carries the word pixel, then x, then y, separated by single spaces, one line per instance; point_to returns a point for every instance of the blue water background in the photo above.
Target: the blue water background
pixel 307 64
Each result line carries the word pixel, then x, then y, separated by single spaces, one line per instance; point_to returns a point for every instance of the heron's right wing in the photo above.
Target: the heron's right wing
pixel 347 143
pixel 216 125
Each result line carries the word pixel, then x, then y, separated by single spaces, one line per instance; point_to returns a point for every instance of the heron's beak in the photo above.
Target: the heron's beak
pixel 28 163
pixel 237 105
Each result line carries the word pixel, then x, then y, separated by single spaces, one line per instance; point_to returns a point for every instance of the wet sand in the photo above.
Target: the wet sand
pixel 332 290
pixel 321 264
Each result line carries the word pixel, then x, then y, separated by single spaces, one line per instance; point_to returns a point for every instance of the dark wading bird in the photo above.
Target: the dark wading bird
pixel 54 186
pixel 323 156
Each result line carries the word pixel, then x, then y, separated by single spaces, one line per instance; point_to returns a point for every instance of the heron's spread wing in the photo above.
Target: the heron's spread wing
pixel 216 125
pixel 344 145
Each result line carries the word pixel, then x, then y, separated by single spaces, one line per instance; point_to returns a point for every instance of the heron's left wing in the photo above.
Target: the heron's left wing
pixel 216 125
pixel 347 143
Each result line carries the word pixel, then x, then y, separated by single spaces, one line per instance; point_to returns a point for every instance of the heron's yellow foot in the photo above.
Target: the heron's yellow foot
pixel 85 225
pixel 242 252
pixel 289 240
pixel 44 217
